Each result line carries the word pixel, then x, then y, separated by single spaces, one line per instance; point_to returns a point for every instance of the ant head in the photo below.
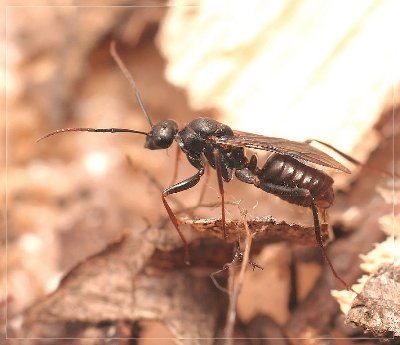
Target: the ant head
pixel 161 135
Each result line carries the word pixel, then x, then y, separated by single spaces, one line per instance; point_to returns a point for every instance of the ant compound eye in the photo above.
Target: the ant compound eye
pixel 162 135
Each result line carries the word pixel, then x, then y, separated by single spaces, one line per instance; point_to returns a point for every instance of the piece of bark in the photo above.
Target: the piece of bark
pixel 264 227
pixel 132 280
pixel 206 247
pixel 377 307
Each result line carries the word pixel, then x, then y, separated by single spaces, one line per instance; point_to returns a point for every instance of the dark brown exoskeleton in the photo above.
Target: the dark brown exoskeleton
pixel 286 172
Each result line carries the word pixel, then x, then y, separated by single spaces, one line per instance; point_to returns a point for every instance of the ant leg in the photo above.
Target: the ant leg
pixel 323 250
pixel 204 187
pixel 218 168
pixel 320 243
pixel 176 188
pixel 324 215
pixel 300 194
pixel 344 155
pixel 175 174
pixel 351 159
pixel 176 166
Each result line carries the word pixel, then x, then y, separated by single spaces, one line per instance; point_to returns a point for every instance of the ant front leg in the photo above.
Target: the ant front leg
pixel 303 197
pixel 176 188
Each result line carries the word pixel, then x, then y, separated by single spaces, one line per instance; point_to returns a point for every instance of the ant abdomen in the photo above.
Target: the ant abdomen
pixel 283 170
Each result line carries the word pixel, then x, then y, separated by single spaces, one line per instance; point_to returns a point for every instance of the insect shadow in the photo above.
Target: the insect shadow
pixel 286 173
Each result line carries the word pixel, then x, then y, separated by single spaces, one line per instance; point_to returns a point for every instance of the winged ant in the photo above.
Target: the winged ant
pixel 286 173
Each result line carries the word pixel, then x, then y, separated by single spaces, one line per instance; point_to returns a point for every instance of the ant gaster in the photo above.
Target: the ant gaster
pixel 205 140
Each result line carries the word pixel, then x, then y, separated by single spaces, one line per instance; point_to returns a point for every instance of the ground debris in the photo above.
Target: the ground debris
pixel 377 307
pixel 117 284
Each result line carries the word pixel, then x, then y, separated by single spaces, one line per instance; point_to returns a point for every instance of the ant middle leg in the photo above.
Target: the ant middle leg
pixel 218 168
pixel 204 186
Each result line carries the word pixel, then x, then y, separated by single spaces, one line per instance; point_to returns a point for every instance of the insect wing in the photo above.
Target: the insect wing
pixel 298 150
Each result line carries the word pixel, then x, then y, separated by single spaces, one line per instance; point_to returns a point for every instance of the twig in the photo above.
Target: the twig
pixel 235 289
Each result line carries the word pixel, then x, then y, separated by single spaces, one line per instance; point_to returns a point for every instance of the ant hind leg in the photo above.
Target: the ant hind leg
pixel 303 197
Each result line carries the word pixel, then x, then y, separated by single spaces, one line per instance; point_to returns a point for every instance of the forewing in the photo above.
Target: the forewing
pixel 298 150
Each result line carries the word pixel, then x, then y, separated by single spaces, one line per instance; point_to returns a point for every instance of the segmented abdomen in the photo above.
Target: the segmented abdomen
pixel 286 171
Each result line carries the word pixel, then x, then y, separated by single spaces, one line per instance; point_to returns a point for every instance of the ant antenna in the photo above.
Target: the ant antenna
pixel 128 76
pixel 104 130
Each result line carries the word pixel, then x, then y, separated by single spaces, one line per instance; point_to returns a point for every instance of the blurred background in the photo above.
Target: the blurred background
pixel 292 69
